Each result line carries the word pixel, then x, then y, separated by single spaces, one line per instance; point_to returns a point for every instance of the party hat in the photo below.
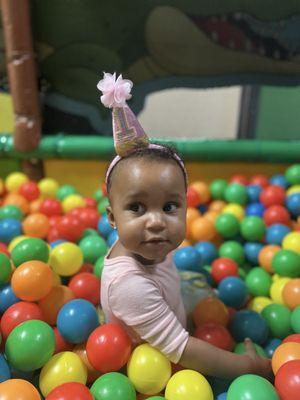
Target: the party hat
pixel 127 131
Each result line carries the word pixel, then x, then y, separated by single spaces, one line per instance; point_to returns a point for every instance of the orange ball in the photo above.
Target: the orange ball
pixel 217 205
pixel 32 280
pixel 191 215
pixel 203 190
pixel 34 205
pixel 18 389
pixel 266 255
pixel 202 229
pixel 53 302
pixel 17 200
pixel 93 374
pixel 291 293
pixel 211 309
pixel 285 352
pixel 185 243
pixel 211 215
pixel 36 225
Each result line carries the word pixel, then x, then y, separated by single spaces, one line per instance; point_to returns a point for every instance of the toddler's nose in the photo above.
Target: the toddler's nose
pixel 155 221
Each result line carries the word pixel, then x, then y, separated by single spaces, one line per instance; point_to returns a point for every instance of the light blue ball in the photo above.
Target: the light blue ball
pixel 104 227
pixel 293 204
pixel 9 229
pixel 275 233
pixel 233 291
pixel 76 320
pixel 253 192
pixel 255 210
pixel 112 238
pixel 279 180
pixel 7 297
pixel 187 259
pixel 252 250
pixel 222 396
pixel 4 369
pixel 56 243
pixel 208 252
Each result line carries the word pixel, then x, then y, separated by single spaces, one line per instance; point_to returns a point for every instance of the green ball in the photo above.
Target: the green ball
pixel 295 319
pixel 217 189
pixel 11 211
pixel 98 267
pixel 30 249
pixel 156 398
pixel 292 174
pixel 278 318
pixel 227 225
pixel 113 385
pixel 286 263
pixel 258 282
pixel 240 348
pixel 98 195
pixel 5 268
pixel 251 387
pixel 90 232
pixel 30 345
pixel 253 228
pixel 92 248
pixel 233 250
pixel 103 203
pixel 236 193
pixel 65 191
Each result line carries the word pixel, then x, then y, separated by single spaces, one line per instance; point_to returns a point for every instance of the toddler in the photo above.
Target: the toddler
pixel 140 286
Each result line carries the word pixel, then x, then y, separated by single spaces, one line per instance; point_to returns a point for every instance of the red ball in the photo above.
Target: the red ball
pixel 192 196
pixel 260 180
pixel 276 215
pixel 54 220
pixel 70 391
pixel 86 286
pixel 215 334
pixel 222 268
pixel 18 313
pixel 51 207
pixel 90 202
pixel 29 190
pixel 60 343
pixel 295 337
pixel 89 217
pixel 70 228
pixel 241 179
pixel 287 380
pixel 53 235
pixel 86 267
pixel 4 249
pixel 272 195
pixel 108 348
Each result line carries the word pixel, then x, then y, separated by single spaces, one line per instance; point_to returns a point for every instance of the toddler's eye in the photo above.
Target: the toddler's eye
pixel 169 207
pixel 136 207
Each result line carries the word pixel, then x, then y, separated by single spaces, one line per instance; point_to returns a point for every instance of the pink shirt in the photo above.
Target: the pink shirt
pixel 146 301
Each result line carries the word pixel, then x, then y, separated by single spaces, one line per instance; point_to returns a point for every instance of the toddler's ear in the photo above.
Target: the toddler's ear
pixel 110 216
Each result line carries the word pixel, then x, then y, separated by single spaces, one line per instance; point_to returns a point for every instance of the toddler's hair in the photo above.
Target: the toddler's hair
pixel 164 152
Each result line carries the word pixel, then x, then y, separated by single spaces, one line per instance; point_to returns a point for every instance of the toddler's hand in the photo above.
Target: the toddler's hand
pixel 261 365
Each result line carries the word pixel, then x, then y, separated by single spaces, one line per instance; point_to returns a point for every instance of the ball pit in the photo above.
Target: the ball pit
pixel 242 234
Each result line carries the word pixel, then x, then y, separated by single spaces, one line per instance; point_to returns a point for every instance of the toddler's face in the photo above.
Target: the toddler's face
pixel 148 207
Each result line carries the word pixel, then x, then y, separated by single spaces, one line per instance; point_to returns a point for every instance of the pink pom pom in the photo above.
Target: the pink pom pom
pixel 115 92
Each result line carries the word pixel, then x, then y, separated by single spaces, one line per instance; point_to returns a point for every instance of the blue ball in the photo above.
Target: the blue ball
pixel 253 192
pixel 233 291
pixel 275 233
pixel 292 203
pixel 248 323
pixel 104 227
pixel 112 238
pixel 279 180
pixel 255 209
pixel 56 243
pixel 202 208
pixel 208 252
pixel 4 369
pixel 222 396
pixel 252 250
pixel 187 259
pixel 7 297
pixel 271 346
pixel 9 229
pixel 76 320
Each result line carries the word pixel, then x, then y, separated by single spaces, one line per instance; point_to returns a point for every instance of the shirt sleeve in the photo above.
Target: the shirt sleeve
pixel 137 302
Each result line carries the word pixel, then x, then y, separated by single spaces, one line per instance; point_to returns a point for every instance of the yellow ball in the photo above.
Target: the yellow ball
pixel 48 187
pixel 259 303
pixel 235 209
pixel 15 241
pixel 292 242
pixel 293 189
pixel 277 288
pixel 62 368
pixel 14 181
pixel 72 201
pixel 148 369
pixel 66 259
pixel 188 385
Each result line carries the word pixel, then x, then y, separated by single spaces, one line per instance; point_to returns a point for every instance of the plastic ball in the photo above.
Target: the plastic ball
pixel 223 268
pixel 187 258
pixel 252 228
pixel 266 256
pixel 271 345
pixel 292 174
pixel 222 396
pixel 9 229
pixel 64 191
pixel 258 282
pixel 11 211
pixel 60 343
pixel 252 250
pixel 30 249
pixel 92 248
pixel 210 309
pixel 102 205
pixel 108 348
pixel 251 387
pixel 70 227
pixel 216 205
pixel 5 269
pixel 272 195
pixel 29 190
pixel 276 233
pixel 92 373
pixel 227 225
pixel 278 319
pixel 277 289
pixel 279 180
pixel 66 259
pixel 260 180
pixel 287 380
pixel 217 189
pixel 215 334
pixel 188 385
pixel 258 303
pixel 292 242
pixel 286 263
pixel 25 390
pixel 233 292
pixel 104 226
pixel 276 215
pixel 70 391
pixel 207 250
pixel 72 201
pixel 291 293
pixel 249 324
pixel 233 250
pixel 255 210
pixel 112 238
pixel 114 386
pixel 98 267
pixel 202 229
pixel 7 297
pixel 86 286
pixel 14 181
pixel 148 369
pixel 234 209
pixel 30 345
pixel 236 193
pixel 48 187
pixel 18 201
pixel 295 319
pixel 89 217
pixel 192 197
pixel 5 373
pixel 240 348
pixel 293 204
pixel 62 368
pixel 36 225
pixel 285 352
pixel 50 207
pixel 295 337
pixel 253 192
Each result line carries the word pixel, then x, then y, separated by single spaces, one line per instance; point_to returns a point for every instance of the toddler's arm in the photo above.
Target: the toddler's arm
pixel 210 360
